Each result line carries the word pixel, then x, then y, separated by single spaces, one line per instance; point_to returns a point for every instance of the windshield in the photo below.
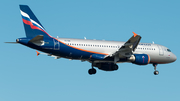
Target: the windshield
pixel 168 50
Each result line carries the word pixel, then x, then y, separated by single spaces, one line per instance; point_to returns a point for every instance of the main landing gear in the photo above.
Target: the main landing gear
pixel 155 72
pixel 92 70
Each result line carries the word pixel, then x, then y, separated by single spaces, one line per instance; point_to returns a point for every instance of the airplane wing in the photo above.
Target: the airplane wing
pixel 127 49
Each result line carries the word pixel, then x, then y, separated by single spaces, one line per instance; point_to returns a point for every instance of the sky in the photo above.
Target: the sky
pixel 27 77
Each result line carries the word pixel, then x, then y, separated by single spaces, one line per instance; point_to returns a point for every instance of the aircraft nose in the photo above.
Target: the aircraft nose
pixel 174 57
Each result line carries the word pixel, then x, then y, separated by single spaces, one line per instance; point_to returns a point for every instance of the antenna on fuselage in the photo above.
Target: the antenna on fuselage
pixel 153 42
pixel 85 38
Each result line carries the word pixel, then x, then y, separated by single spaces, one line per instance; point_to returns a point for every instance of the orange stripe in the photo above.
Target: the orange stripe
pixel 82 49
pixel 148 59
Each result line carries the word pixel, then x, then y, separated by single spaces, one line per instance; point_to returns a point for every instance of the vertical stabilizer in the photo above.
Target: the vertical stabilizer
pixel 32 25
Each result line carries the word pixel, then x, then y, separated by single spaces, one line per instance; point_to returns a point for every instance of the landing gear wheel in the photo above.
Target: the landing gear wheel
pixel 92 71
pixel 156 72
pixel 116 67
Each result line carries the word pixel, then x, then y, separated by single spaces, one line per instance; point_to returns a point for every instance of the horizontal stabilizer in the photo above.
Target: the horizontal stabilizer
pixel 37 38
pixel 11 42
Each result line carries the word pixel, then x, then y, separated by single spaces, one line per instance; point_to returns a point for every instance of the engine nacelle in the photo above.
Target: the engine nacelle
pixel 106 66
pixel 140 59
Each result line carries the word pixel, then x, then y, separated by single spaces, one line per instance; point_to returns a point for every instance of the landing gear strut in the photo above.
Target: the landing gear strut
pixel 92 70
pixel 155 72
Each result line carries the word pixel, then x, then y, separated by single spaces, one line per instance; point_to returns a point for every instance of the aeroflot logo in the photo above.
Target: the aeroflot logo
pixel 26 16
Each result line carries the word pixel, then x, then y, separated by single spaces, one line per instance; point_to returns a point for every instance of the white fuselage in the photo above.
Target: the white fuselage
pixel 158 53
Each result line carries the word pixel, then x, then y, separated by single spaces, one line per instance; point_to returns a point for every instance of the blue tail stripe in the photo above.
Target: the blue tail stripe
pixel 25 18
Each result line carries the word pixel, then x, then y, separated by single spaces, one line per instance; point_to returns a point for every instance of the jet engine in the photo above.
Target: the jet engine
pixel 106 66
pixel 140 59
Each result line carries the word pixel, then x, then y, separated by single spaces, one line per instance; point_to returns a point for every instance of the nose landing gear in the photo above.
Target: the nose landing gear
pixel 155 72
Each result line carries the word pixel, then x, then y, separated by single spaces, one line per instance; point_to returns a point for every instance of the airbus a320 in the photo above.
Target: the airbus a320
pixel 101 54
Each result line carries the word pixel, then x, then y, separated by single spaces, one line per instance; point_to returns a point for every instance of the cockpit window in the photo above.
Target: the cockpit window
pixel 168 50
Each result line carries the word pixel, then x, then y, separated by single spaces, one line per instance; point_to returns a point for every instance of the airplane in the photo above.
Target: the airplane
pixel 100 53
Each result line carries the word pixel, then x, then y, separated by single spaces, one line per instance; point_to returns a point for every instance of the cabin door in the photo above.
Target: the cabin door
pixel 161 51
pixel 56 44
